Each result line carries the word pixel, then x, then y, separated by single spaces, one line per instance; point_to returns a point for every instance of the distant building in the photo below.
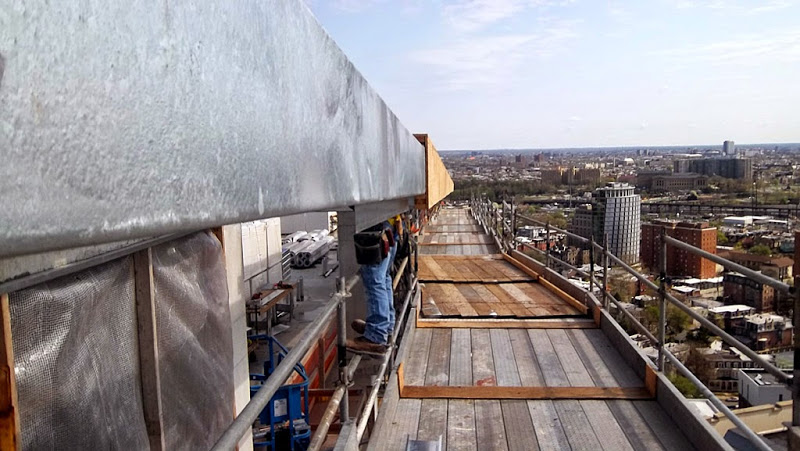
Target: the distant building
pixel 570 176
pixel 617 212
pixel 764 332
pixel 581 225
pixel 757 387
pixel 776 267
pixel 731 317
pixel 731 168
pixel 664 181
pixel 718 368
pixel 740 289
pixel 679 261
pixel 728 148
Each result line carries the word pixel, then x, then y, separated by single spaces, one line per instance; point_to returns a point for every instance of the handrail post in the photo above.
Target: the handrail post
pixel 662 305
pixel 503 220
pixel 605 271
pixel 513 219
pixel 591 263
pixel 341 350
pixel 547 245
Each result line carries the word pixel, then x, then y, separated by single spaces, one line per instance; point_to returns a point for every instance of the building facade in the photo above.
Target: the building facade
pixel 581 225
pixel 617 212
pixel 731 168
pixel 740 289
pixel 757 387
pixel 680 262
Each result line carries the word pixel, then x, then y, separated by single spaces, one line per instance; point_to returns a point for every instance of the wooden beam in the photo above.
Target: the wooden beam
pixel 489 323
pixel 522 267
pixel 148 348
pixel 651 380
pixel 493 392
pixel 9 412
pixel 564 296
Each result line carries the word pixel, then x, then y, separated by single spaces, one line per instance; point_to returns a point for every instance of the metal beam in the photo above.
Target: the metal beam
pixel 123 120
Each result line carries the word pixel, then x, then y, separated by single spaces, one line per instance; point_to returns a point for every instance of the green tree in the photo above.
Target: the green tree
pixel 721 237
pixel 685 386
pixel 760 249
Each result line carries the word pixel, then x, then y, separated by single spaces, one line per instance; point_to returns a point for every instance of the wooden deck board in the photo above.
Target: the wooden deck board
pixel 433 420
pixel 633 424
pixel 504 364
pixel 574 421
pixel 416 361
pixel 461 432
pixel 482 359
pixel 519 427
pixel 438 370
pixel 460 357
pixel 549 432
pixel 404 425
pixel 570 361
pixel 606 428
pixel 601 374
pixel 489 426
pixel 529 372
pixel 612 359
pixel 553 373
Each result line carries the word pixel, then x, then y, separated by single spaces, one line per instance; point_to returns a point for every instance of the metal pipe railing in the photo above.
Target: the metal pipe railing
pixel 772 369
pixel 755 275
pixel 244 421
pixel 757 441
pixel 333 405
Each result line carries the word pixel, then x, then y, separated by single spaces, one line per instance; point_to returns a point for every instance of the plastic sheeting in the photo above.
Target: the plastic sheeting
pixel 194 341
pixel 77 363
pixel 76 353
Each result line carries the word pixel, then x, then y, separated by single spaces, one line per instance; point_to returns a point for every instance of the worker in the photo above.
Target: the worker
pixel 375 249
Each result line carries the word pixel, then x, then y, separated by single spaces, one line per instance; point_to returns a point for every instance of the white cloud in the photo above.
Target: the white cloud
pixel 474 15
pixel 486 61
pixel 776 47
pixel 738 6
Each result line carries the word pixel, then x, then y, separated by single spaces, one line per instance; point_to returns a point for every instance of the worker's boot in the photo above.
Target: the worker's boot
pixel 363 346
pixel 359 325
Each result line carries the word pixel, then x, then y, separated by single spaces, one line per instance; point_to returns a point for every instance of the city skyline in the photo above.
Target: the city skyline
pixel 570 74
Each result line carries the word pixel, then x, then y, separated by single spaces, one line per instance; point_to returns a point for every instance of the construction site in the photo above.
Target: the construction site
pixel 178 267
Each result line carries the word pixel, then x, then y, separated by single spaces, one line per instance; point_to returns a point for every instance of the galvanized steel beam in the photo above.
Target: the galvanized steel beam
pixel 122 120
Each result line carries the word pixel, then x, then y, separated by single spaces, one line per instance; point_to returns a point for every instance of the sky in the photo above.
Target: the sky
pixel 491 74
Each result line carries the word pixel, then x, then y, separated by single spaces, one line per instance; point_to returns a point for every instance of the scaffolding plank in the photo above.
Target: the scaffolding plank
pixel 489 426
pixel 437 372
pixel 549 432
pixel 433 421
pixel 605 427
pixel 574 421
pixel 461 424
pixel 519 427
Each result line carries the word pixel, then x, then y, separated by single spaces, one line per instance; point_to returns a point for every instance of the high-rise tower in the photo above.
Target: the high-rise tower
pixel 618 215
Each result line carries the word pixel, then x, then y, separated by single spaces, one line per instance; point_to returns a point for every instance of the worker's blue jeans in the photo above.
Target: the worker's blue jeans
pixel 389 289
pixel 380 311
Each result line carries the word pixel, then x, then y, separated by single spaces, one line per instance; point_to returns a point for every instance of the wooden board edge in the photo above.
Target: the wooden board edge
pixel 564 296
pixel 401 381
pixel 597 315
pixel 651 380
pixel 527 393
pixel 502 324
pixel 521 267
pixel 10 437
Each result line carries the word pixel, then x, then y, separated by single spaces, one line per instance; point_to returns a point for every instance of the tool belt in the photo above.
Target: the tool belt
pixel 371 248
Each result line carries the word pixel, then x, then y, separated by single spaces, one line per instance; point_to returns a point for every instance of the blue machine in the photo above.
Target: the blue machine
pixel 283 424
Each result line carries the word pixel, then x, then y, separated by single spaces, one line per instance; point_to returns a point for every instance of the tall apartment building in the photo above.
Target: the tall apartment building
pixel 731 168
pixel 567 176
pixel 728 148
pixel 617 212
pixel 680 262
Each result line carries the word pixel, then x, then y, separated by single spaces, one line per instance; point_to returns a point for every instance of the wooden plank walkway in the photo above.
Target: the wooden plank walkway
pixel 522 384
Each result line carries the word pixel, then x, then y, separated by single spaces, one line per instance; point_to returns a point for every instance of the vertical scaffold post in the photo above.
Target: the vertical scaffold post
pixel 503 221
pixel 605 271
pixel 547 244
pixel 662 305
pixel 341 348
pixel 513 220
pixel 591 263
